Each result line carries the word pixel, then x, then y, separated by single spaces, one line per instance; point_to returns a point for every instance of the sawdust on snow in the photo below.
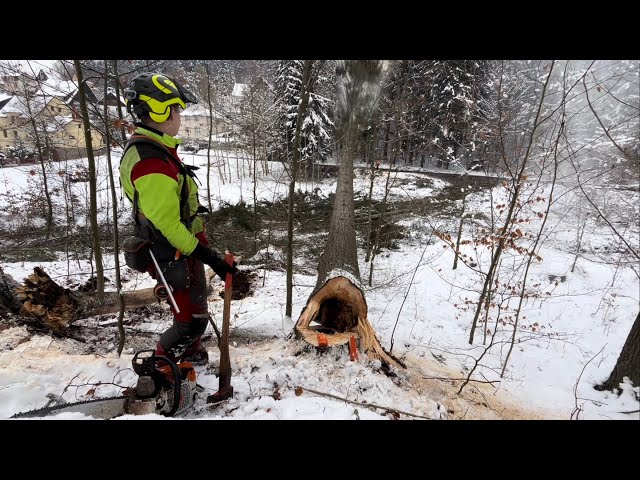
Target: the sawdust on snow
pixel 478 401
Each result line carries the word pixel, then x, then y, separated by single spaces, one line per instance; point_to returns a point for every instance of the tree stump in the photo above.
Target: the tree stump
pixel 339 311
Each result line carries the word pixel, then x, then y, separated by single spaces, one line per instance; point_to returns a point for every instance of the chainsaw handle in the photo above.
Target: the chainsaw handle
pixel 177 383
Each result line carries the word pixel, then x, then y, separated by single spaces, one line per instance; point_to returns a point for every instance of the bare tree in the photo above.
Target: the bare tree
pixel 517 187
pixel 93 214
pixel 114 205
pixel 253 123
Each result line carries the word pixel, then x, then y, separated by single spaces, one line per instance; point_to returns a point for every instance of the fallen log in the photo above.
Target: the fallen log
pixel 8 301
pixel 57 307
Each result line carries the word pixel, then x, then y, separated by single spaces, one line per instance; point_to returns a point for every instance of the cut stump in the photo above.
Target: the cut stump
pixel 339 311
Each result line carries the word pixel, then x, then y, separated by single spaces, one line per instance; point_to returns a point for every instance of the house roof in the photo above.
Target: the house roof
pixel 59 88
pixel 59 122
pixel 111 95
pixel 198 110
pixel 4 98
pixel 13 105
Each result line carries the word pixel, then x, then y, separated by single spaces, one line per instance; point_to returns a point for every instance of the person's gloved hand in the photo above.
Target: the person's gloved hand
pixel 222 268
pixel 213 259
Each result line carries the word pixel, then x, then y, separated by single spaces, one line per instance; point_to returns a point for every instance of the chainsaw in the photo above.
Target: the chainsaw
pixel 169 389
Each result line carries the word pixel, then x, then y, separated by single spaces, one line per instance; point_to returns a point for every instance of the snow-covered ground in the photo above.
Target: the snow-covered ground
pixel 569 336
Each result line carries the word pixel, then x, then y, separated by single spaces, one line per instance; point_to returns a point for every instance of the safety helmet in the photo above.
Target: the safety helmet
pixel 154 94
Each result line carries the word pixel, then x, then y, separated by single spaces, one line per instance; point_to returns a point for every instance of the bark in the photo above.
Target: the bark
pixel 628 364
pixel 340 252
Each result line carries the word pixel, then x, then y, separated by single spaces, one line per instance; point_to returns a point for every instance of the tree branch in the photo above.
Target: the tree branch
pixel 366 405
pixel 624 153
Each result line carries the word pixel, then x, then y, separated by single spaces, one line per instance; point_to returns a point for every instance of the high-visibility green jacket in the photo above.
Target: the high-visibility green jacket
pixel 159 182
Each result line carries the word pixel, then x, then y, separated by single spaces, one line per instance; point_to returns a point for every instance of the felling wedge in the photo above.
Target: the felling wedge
pixel 169 389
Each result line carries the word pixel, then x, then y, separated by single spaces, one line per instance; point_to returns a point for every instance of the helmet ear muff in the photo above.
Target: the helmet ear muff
pixel 160 117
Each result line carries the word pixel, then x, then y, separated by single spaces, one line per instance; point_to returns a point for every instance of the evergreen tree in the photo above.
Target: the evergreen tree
pixel 456 88
pixel 317 124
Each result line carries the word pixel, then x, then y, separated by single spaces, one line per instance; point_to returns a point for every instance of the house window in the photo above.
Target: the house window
pixel 5 133
pixel 15 134
pixel 59 110
pixel 52 109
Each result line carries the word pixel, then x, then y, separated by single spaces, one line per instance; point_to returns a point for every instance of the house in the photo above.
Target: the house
pixel 12 122
pixel 194 126
pixel 53 109
pixel 60 107
pixel 13 81
pixel 238 92
pixel 111 99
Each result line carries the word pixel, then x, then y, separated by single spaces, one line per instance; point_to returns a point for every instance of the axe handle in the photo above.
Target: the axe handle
pixel 225 362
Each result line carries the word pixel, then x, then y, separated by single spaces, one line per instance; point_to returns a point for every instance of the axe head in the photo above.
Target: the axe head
pixel 221 395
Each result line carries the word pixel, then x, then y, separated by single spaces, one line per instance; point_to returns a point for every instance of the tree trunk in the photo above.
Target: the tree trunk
pixel 340 253
pixel 628 364
pixel 114 206
pixel 57 307
pixel 340 311
pixel 93 214
pixel 337 304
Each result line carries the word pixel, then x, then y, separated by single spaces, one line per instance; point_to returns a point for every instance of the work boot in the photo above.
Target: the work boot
pixel 196 354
